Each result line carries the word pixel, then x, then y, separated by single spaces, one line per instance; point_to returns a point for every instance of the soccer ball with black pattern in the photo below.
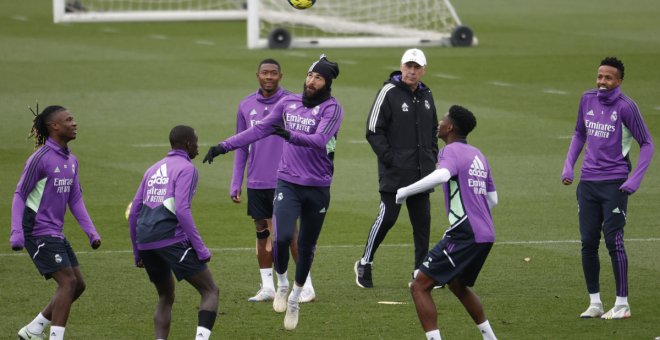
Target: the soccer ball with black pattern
pixel 301 4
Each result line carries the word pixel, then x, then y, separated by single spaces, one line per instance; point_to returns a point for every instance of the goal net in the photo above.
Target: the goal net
pixel 349 23
pixel 147 10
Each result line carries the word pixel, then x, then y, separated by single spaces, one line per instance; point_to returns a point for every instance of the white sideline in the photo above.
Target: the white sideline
pixel 506 243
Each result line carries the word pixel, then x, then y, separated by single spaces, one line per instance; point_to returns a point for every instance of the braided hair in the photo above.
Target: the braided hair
pixel 40 123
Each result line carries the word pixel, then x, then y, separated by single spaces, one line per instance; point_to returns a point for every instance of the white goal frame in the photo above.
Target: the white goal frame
pixel 60 15
pixel 371 35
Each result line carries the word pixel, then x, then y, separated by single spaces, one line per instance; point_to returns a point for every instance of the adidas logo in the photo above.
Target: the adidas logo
pixel 477 168
pixel 160 177
pixel 322 211
pixel 616 210
pixel 57 170
pixel 293 106
pixel 590 113
pixel 253 112
pixel 425 264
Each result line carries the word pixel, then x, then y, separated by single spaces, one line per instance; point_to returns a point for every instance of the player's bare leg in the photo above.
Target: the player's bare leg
pixel 163 313
pixel 420 289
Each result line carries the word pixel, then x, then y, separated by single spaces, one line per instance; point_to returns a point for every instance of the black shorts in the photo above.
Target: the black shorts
pixel 50 254
pixel 260 203
pixel 449 260
pixel 179 258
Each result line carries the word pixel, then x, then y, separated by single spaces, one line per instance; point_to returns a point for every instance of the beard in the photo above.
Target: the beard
pixel 313 97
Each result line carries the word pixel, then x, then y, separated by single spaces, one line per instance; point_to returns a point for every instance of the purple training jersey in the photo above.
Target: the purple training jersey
pixel 263 156
pixel 307 157
pixel 607 122
pixel 160 213
pixel 49 182
pixel 465 192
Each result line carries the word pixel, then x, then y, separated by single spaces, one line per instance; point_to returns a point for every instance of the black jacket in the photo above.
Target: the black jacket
pixel 401 130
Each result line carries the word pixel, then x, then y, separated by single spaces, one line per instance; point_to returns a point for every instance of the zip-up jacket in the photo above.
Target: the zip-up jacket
pixel 401 130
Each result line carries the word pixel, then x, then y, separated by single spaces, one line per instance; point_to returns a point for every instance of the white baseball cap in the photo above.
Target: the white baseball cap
pixel 415 55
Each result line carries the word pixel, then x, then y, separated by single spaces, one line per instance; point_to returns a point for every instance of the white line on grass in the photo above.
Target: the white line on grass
pixel 447 76
pixel 499 83
pixel 342 246
pixel 20 18
pixel 158 37
pixel 204 42
pixel 555 91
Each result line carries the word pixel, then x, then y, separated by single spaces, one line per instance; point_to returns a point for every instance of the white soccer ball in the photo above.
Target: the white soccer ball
pixel 301 4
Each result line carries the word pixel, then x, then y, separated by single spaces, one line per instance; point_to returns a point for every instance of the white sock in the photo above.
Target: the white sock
pixel 594 298
pixel 267 278
pixel 363 262
pixel 295 293
pixel 202 333
pixel 308 282
pixel 282 280
pixel 433 335
pixel 621 300
pixel 56 333
pixel 38 324
pixel 486 331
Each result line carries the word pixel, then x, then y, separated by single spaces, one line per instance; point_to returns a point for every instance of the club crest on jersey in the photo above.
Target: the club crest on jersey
pixel 427 105
pixel 315 111
pixel 613 116
pixel 404 107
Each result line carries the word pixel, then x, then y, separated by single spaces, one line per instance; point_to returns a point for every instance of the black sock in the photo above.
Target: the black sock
pixel 206 319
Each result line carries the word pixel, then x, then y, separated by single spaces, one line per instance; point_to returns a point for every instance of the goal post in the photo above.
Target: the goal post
pixel 67 11
pixel 345 23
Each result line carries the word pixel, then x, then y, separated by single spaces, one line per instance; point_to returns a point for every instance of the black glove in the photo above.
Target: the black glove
pixel 280 131
pixel 214 151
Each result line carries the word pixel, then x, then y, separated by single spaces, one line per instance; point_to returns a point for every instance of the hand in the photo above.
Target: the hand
pixel 17 241
pixel 96 244
pixel 214 151
pixel 236 199
pixel 139 263
pixel 567 181
pixel 280 131
pixel 401 196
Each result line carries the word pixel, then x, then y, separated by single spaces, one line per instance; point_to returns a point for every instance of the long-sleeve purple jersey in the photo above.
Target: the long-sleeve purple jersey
pixel 49 182
pixel 263 156
pixel 607 121
pixel 466 191
pixel 160 213
pixel 307 157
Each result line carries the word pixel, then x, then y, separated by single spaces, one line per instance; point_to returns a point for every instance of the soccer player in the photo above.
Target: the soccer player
pixel 607 121
pixel 469 196
pixel 48 184
pixel 309 123
pixel 262 158
pixel 401 130
pixel 164 235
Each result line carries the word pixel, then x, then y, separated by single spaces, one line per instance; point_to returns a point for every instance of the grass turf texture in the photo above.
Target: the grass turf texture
pixel 128 84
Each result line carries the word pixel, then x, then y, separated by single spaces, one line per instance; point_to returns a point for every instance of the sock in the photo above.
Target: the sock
pixel 486 331
pixel 621 300
pixel 295 293
pixel 267 278
pixel 38 324
pixel 56 333
pixel 594 298
pixel 202 333
pixel 363 262
pixel 282 280
pixel 308 282
pixel 433 335
pixel 206 319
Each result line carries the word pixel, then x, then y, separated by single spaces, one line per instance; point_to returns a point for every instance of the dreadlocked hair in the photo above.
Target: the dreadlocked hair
pixel 40 122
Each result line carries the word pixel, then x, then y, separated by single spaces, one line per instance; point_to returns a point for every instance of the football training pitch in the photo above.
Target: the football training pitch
pixel 128 84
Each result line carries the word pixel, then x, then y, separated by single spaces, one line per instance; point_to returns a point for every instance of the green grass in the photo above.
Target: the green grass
pixel 126 89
